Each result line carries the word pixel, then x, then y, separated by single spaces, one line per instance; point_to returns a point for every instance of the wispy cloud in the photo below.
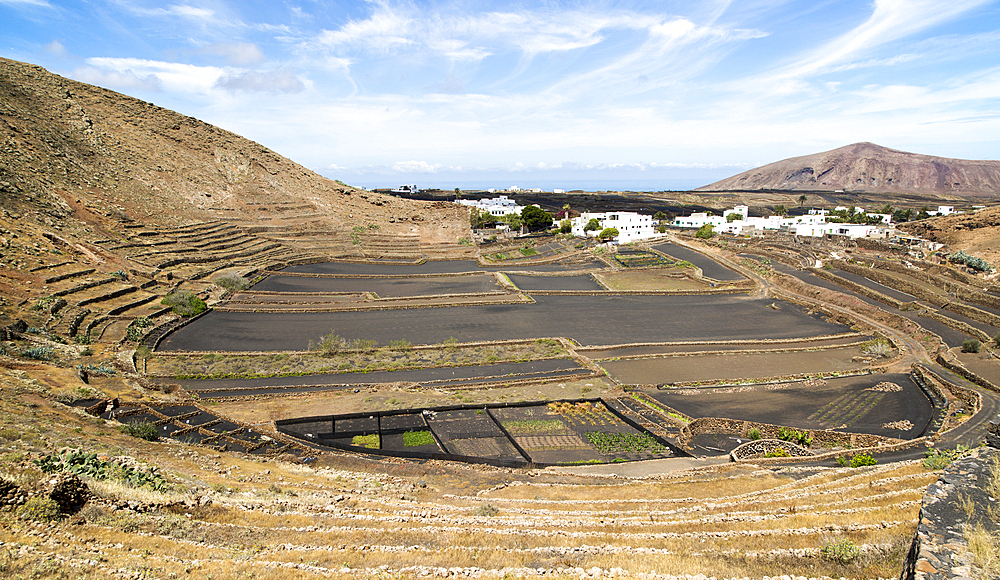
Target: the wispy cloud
pixel 890 20
pixel 41 3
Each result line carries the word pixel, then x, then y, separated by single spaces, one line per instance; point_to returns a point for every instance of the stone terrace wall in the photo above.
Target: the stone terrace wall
pixel 940 549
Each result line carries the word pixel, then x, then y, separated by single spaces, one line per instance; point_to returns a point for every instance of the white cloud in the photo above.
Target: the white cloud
pixel 170 76
pixel 276 81
pixel 119 80
pixel 190 12
pixel 415 167
pixel 55 48
pixel 236 53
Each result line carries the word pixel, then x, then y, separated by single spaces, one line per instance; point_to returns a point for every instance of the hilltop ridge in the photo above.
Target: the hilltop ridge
pixel 869 168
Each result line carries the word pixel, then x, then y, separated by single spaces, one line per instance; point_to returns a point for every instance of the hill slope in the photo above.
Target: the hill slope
pixel 867 167
pixel 72 150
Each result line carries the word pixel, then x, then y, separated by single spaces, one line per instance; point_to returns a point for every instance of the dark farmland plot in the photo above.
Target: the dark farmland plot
pixel 530 283
pixel 709 267
pixel 591 320
pixel 382 287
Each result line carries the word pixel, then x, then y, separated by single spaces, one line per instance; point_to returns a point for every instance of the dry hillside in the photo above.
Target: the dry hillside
pixel 866 167
pixel 976 233
pixel 82 159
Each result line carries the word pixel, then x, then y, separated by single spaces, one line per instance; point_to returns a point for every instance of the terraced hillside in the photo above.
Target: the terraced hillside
pixel 232 516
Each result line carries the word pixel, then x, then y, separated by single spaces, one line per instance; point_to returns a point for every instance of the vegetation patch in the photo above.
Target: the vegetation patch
pixel 90 465
pixel 184 303
pixel 417 438
pixel 534 427
pixel 371 441
pixel 616 443
pixel 140 430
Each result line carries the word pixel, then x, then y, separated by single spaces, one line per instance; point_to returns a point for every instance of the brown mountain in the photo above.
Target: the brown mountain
pixel 870 168
pixel 83 161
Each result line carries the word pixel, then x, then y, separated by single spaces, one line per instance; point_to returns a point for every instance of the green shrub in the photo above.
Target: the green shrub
pixel 142 430
pixel 970 345
pixel 401 344
pixel 137 328
pixel 799 437
pixel 877 347
pixel 185 303
pixel 704 232
pixel 777 452
pixel 755 434
pixel 99 370
pixel 38 353
pixel 486 510
pixel 88 464
pixel 842 551
pixel 940 458
pixel 83 339
pixel 863 460
pixel 39 509
pixel 232 282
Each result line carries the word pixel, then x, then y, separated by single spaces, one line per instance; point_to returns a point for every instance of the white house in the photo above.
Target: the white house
pixel 631 226
pixel 497 206
pixel 813 224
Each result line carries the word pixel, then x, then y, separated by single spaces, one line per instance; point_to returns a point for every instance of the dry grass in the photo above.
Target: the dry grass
pixel 985 548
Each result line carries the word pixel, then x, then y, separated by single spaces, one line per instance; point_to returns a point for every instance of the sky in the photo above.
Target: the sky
pixel 598 96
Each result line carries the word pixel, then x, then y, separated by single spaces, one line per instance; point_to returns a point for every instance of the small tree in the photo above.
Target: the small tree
pixel 513 220
pixel 970 345
pixel 185 303
pixel 536 218
pixel 733 217
pixel 608 234
pixel 565 226
pixel 593 225
pixel 780 210
pixel 802 199
pixel 704 232
pixel 232 282
pixel 659 216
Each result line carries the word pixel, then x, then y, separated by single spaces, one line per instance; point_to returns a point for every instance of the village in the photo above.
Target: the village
pixel 501 217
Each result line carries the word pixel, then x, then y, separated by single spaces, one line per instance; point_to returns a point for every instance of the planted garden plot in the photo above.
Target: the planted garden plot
pixel 849 404
pixel 639 259
pixel 731 366
pixel 548 433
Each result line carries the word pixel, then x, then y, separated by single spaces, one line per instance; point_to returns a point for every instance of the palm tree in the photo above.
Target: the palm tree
pixel 802 199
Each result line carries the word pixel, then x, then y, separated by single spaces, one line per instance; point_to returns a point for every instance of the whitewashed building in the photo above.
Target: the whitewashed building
pixel 497 206
pixel 813 224
pixel 631 226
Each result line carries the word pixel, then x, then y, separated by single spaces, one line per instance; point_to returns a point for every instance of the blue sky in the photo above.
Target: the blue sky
pixel 595 95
